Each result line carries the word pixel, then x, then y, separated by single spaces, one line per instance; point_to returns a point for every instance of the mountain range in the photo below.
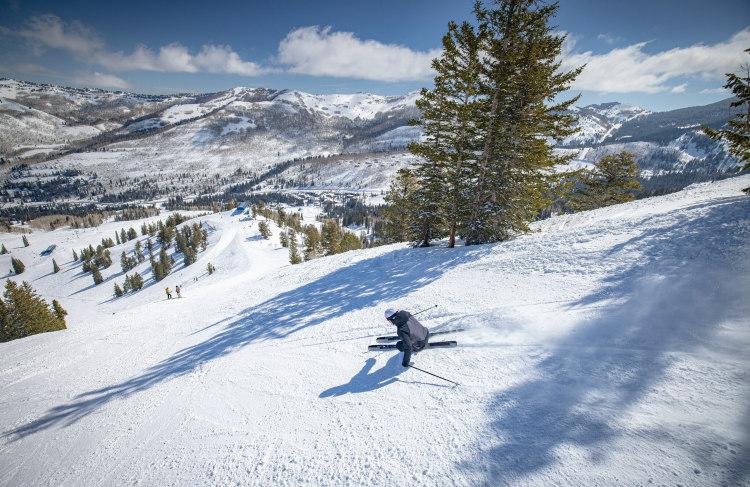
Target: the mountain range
pixel 121 146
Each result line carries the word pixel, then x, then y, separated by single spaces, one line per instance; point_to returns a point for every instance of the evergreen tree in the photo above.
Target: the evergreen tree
pixel 204 239
pixel 132 283
pixel 102 257
pixel 210 268
pixel 330 237
pixel 613 180
pixel 189 256
pixel 196 237
pixel 25 241
pixel 136 282
pixel 513 178
pixel 450 137
pixel 139 251
pixel 397 213
pixel 427 219
pixel 311 240
pixel 264 230
pixel 118 291
pixel 55 267
pixel 124 262
pixel 126 285
pixel 294 257
pixel 75 256
pixel 165 235
pixel 24 313
pixel 60 313
pixel 157 270
pixel 349 242
pixel 164 262
pixel 737 135
pixel 17 265
pixel 98 279
pixel 4 250
pixel 284 239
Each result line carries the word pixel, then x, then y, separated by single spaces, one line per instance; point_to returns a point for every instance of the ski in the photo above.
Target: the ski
pixel 394 338
pixel 448 344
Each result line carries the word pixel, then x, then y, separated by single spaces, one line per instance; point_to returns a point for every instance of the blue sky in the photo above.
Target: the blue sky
pixel 658 54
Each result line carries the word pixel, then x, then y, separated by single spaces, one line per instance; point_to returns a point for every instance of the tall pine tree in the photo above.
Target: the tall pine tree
pixel 515 176
pixel 450 134
pixel 489 124
pixel 737 133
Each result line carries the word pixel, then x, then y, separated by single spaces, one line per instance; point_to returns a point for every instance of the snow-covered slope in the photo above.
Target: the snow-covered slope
pixel 364 106
pixel 608 348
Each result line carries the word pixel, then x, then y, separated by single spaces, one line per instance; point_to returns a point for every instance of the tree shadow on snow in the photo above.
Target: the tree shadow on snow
pixel 360 285
pixel 664 302
pixel 365 380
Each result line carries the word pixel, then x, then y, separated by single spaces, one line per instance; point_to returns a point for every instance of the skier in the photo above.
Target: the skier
pixel 169 295
pixel 177 288
pixel 411 332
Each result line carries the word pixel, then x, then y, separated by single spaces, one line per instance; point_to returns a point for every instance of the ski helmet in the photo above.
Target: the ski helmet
pixel 390 312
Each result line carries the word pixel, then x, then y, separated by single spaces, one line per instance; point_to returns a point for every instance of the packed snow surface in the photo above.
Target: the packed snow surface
pixel 607 348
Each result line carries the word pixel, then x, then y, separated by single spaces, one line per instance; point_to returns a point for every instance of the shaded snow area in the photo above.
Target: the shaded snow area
pixel 608 348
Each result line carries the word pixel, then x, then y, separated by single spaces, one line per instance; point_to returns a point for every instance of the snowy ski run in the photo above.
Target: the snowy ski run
pixel 605 348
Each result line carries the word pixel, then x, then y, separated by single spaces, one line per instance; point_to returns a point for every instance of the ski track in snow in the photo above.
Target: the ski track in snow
pixel 606 348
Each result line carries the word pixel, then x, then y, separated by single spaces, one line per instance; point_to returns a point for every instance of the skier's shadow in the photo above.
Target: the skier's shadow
pixel 365 381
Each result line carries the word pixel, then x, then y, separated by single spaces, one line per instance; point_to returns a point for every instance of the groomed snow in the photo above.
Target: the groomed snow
pixel 608 348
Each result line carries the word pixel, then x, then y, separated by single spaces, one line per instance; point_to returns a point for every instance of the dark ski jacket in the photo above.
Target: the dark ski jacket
pixel 412 334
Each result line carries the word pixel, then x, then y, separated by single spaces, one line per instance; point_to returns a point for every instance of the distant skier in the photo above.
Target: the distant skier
pixel 169 294
pixel 177 289
pixel 411 332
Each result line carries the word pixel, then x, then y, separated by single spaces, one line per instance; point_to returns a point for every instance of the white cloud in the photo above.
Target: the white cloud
pixel 608 38
pixel 173 57
pixel 50 31
pixel 221 59
pixel 101 80
pixel 177 58
pixel 680 88
pixel 30 68
pixel 320 52
pixel 630 69
pixel 716 91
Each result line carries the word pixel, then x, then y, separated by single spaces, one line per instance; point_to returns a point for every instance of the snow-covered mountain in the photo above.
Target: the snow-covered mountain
pixel 606 348
pixel 183 144
pixel 322 124
pixel 598 122
pixel 662 142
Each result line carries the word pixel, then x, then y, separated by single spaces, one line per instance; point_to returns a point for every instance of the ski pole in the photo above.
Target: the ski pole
pixel 417 368
pixel 426 309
